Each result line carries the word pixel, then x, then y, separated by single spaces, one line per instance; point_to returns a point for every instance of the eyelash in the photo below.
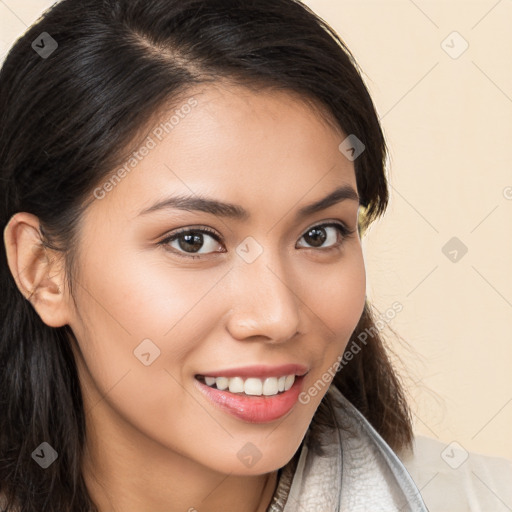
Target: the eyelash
pixel 342 229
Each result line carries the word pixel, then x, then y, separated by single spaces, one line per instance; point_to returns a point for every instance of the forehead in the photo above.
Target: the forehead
pixel 236 144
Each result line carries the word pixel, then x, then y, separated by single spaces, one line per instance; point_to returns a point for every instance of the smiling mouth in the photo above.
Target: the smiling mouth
pixel 250 386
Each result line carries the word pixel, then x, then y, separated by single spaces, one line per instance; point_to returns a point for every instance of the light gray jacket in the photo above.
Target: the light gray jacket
pixel 357 473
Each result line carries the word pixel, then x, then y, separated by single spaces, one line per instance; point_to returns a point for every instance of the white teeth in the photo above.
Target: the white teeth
pixel 288 383
pixel 252 385
pixel 236 385
pixel 222 383
pixel 270 386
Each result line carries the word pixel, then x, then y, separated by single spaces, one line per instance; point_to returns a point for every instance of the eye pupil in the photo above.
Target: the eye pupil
pixel 195 240
pixel 318 236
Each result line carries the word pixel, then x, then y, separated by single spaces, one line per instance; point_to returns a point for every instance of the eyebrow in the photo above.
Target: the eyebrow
pixel 237 212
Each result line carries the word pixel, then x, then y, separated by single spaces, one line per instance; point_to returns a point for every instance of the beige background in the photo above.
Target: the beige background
pixel 447 116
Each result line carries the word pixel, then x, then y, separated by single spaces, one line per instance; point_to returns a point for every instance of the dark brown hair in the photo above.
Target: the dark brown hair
pixel 67 119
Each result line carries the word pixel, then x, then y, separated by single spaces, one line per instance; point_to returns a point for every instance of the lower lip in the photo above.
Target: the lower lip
pixel 254 409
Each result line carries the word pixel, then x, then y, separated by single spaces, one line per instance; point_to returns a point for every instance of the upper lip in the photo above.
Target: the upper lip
pixel 259 371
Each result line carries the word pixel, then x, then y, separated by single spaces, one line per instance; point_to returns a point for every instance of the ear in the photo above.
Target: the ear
pixel 38 272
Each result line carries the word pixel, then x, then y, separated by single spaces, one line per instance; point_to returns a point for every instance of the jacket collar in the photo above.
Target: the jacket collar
pixel 348 468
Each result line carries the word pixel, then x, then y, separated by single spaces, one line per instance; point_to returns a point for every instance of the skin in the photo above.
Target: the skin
pixel 154 442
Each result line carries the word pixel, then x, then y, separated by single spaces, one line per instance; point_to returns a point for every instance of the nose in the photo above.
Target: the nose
pixel 266 301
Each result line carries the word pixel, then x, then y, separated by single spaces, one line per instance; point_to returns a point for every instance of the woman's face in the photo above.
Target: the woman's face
pixel 263 296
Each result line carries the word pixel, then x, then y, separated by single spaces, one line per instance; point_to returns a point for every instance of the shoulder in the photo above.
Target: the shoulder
pixel 451 478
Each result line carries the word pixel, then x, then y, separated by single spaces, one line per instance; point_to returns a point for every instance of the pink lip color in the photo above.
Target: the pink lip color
pixel 254 409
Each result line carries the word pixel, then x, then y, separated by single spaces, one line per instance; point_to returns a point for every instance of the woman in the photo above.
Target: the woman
pixel 185 185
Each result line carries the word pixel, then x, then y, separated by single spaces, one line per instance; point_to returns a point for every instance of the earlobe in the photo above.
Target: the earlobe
pixel 38 273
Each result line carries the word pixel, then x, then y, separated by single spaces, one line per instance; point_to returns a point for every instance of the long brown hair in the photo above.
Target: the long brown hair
pixel 70 110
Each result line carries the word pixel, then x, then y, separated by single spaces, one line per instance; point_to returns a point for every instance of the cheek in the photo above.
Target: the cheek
pixel 145 316
pixel 337 295
pixel 337 301
pixel 134 298
pixel 139 330
pixel 139 322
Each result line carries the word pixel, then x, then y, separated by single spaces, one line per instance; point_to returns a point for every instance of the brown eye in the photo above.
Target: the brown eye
pixel 189 242
pixel 318 235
